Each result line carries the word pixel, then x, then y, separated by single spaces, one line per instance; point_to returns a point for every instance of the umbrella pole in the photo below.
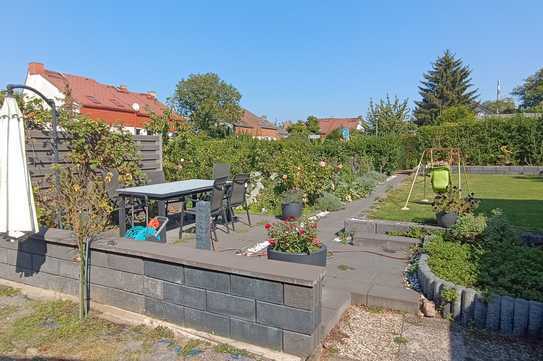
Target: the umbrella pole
pixel 54 134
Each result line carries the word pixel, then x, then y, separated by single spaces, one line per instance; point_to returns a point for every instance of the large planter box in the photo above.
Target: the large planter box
pixel 316 259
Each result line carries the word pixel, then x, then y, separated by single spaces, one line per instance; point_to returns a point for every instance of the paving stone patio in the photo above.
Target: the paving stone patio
pixel 355 275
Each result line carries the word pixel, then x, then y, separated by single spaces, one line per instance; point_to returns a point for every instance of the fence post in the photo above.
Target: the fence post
pixel 203 231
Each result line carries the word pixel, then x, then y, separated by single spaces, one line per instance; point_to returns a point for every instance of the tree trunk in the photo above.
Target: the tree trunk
pixel 82 282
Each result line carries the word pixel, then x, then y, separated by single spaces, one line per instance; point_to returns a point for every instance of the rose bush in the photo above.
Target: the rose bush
pixel 294 236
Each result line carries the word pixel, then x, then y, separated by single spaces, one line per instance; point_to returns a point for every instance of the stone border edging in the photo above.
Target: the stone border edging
pixel 502 169
pixel 504 314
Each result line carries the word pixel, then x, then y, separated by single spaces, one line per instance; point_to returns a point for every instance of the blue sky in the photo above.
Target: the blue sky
pixel 289 59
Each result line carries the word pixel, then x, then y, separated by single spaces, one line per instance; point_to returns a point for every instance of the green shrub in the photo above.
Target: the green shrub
pixel 329 202
pixel 499 263
pixel 452 261
pixel 292 196
pixel 468 228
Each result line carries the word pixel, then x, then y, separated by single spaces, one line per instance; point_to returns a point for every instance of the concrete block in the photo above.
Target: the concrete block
pixel 479 314
pixel 164 271
pixel 203 230
pixel 302 297
pixel 19 259
pixel 68 269
pixel 360 225
pixel 117 262
pixel 153 287
pixel 468 306
pixel 299 344
pixel 209 280
pixel 208 322
pixel 437 286
pixel 3 254
pixel 535 319
pixel 269 337
pixel 288 318
pixel 116 279
pixel 263 290
pixel 520 317
pixel 186 296
pixel 399 299
pixel 231 305
pixel 457 304
pixel 41 263
pixel 118 298
pixel 383 227
pixel 164 311
pixel 506 315
pixel 61 251
pixel 493 310
pixel 34 246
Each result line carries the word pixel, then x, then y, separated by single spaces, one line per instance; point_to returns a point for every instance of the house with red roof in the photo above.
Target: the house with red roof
pixel 257 127
pixel 328 125
pixel 114 105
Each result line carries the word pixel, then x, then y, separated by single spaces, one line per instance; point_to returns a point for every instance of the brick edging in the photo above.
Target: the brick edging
pixel 504 314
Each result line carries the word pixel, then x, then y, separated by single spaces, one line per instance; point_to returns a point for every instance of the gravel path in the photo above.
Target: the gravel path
pixel 374 334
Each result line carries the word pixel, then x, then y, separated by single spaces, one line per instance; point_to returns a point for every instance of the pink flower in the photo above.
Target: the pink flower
pixel 322 163
pixel 285 177
pixel 267 226
pixel 271 242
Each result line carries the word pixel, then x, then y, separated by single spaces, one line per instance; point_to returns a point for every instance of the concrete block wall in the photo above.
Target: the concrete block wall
pixel 506 315
pixel 266 303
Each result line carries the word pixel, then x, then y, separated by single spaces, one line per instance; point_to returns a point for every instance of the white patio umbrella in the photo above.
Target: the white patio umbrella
pixel 17 209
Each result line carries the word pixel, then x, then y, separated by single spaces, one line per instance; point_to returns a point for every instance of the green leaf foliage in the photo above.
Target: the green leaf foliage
pixel 209 103
pixel 531 92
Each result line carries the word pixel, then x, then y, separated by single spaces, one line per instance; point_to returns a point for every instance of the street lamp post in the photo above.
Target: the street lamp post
pixel 54 134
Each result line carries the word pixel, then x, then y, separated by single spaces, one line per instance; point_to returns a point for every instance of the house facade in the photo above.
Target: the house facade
pixel 114 105
pixel 257 127
pixel 328 125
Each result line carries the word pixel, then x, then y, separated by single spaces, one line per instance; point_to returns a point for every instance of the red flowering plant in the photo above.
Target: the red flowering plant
pixel 294 236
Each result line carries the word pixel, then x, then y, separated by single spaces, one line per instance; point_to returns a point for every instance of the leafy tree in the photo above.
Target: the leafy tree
pixel 447 84
pixel 163 124
pixel 312 124
pixel 388 116
pixel 209 103
pixel 502 106
pixel 456 114
pixel 531 92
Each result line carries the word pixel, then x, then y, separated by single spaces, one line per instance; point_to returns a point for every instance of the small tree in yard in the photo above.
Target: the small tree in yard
pixel 86 207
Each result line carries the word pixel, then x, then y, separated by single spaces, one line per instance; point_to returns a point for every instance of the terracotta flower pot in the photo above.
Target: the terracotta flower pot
pixel 317 258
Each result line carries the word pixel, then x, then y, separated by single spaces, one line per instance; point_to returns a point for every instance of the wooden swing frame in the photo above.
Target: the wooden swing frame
pixel 454 158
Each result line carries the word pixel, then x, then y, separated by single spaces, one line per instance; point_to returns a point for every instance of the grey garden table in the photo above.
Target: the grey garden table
pixel 161 192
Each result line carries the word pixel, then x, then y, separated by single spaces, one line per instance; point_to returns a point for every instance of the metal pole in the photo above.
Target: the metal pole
pixel 54 133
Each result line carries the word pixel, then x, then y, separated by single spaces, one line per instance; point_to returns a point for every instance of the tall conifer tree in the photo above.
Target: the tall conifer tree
pixel 447 84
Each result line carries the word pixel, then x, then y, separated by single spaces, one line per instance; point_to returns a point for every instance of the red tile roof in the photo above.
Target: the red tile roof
pixel 328 125
pixel 88 93
pixel 250 120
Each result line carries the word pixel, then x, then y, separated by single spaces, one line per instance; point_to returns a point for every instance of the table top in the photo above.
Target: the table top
pixel 169 189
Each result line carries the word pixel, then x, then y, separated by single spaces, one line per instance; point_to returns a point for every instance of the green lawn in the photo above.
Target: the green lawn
pixel 520 197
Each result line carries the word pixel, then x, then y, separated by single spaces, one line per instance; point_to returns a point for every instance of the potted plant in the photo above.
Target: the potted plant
pixel 292 204
pixel 296 241
pixel 449 205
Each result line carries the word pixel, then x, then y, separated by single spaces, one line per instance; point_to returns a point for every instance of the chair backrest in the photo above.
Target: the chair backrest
pixel 221 170
pixel 238 189
pixel 155 177
pixel 113 185
pixel 217 194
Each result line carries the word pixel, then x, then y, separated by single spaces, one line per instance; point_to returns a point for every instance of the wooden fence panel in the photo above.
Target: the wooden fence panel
pixel 40 155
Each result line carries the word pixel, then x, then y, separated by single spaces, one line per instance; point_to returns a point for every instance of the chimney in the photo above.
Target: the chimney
pixel 151 94
pixel 36 68
pixel 123 88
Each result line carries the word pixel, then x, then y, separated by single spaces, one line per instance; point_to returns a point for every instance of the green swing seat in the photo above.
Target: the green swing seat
pixel 440 177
